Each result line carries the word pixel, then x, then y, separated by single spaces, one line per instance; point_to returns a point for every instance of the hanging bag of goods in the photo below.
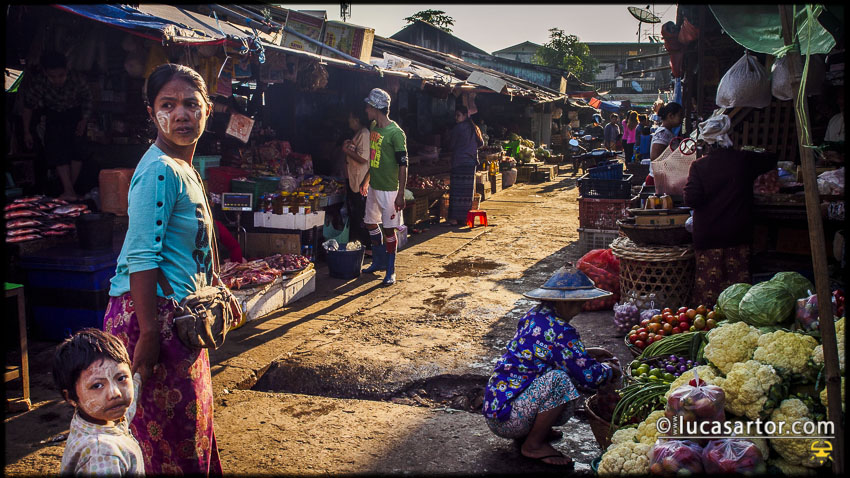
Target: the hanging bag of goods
pixel 671 169
pixel 745 85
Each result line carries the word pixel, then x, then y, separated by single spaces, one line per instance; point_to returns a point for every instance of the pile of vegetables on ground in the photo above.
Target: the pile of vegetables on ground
pixel 761 358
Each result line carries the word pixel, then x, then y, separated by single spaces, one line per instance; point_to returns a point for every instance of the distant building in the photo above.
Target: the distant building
pixel 616 58
pixel 522 52
pixel 426 35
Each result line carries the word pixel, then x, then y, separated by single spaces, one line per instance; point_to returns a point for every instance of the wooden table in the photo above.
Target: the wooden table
pixel 22 372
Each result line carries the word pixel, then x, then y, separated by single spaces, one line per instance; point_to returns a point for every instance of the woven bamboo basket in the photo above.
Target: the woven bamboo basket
pixel 666 271
pixel 602 430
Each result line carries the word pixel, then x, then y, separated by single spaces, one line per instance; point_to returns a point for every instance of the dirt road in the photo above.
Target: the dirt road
pixel 358 378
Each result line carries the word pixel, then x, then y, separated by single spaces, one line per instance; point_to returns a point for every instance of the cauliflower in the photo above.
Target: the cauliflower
pixel 788 353
pixel 823 398
pixel 752 389
pixel 795 452
pixel 647 432
pixel 788 469
pixel 624 435
pixel 627 458
pixel 817 353
pixel 730 344
pixel 706 373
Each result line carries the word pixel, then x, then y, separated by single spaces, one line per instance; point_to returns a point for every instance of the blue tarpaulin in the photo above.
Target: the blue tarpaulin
pixel 612 106
pixel 125 17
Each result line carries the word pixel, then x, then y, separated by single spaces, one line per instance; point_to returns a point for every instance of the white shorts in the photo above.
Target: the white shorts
pixel 380 209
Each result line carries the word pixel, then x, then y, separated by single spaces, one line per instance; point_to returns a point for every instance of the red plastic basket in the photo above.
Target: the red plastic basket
pixel 594 213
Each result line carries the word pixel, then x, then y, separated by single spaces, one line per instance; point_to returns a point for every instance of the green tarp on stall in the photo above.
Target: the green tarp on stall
pixel 758 28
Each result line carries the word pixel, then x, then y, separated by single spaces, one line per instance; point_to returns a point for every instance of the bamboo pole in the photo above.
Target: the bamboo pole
pixel 818 247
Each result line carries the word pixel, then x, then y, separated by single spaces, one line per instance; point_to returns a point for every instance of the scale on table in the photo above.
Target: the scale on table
pixel 238 202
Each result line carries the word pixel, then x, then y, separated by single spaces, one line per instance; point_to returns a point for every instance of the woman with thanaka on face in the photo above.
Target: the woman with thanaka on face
pixel 170 230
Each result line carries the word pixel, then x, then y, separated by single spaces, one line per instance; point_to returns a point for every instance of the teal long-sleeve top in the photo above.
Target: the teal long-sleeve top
pixel 169 227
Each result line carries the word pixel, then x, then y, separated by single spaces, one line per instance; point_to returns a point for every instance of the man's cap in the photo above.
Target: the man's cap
pixel 378 99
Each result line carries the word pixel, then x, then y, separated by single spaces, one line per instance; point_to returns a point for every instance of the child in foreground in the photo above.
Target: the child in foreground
pixel 92 371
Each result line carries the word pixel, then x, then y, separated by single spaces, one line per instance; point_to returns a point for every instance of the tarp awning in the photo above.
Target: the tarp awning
pixel 758 27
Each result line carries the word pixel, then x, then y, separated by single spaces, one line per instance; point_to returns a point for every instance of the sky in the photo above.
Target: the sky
pixel 494 27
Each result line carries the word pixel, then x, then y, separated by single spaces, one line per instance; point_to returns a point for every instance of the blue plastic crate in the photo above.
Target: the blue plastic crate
pixel 201 163
pixel 57 323
pixel 611 170
pixel 70 268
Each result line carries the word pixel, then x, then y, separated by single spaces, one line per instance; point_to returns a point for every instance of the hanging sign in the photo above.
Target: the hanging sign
pixel 240 127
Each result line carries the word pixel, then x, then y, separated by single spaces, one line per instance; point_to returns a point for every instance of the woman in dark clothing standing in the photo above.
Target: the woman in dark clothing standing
pixel 720 190
pixel 464 141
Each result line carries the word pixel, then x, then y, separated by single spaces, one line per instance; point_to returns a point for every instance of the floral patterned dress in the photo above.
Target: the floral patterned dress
pixel 543 343
pixel 174 416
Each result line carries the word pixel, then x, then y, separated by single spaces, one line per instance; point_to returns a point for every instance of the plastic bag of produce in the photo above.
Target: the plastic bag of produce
pixel 603 268
pixel 795 283
pixel 673 457
pixel 746 84
pixel 729 301
pixel 767 183
pixel 781 85
pixel 625 316
pixel 767 303
pixel 696 402
pixel 806 311
pixel 733 456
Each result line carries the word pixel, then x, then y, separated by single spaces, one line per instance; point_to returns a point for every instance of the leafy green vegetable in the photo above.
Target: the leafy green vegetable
pixel 796 285
pixel 767 303
pixel 729 300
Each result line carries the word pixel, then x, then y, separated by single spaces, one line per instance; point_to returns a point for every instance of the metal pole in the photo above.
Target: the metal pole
pixel 818 247
pixel 317 42
pixel 248 22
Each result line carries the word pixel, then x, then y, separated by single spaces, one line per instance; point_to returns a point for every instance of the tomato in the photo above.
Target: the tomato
pixel 691 313
pixel 651 337
pixel 682 310
pixel 657 338
pixel 657 317
pixel 654 327
pixel 676 330
pixel 640 344
pixel 710 324
pixel 633 338
pixel 683 317
pixel 684 325
pixel 667 310
pixel 644 322
pixel 671 319
pixel 667 328
pixel 712 315
pixel 642 329
pixel 701 310
pixel 643 336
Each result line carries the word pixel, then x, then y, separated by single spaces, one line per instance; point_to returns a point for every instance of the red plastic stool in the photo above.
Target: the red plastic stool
pixel 472 214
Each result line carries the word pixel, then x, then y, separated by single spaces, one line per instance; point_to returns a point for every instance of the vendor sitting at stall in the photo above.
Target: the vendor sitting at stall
pixel 720 190
pixel 533 386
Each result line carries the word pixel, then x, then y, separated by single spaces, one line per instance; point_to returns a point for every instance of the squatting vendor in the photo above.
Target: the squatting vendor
pixel 534 384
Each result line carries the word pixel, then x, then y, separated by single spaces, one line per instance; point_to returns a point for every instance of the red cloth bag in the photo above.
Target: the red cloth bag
pixel 603 268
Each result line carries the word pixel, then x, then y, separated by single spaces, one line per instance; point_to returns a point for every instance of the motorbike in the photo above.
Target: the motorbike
pixel 584 159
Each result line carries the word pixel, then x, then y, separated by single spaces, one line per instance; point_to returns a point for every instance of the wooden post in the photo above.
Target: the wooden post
pixel 818 246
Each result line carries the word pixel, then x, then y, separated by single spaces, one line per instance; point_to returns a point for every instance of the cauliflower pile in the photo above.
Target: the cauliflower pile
pixel 752 389
pixel 624 435
pixel 817 353
pixel 707 373
pixel 647 432
pixel 730 344
pixel 628 458
pixel 788 353
pixel 796 452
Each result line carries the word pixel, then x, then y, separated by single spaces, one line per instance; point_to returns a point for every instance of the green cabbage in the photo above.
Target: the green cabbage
pixel 767 303
pixel 797 285
pixel 729 300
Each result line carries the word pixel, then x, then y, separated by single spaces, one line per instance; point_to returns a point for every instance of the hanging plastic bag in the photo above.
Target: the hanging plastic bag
pixel 746 84
pixel 674 457
pixel 782 84
pixel 733 456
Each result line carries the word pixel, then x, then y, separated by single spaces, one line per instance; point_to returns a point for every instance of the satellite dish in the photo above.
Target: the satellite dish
pixel 643 15
pixel 636 86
